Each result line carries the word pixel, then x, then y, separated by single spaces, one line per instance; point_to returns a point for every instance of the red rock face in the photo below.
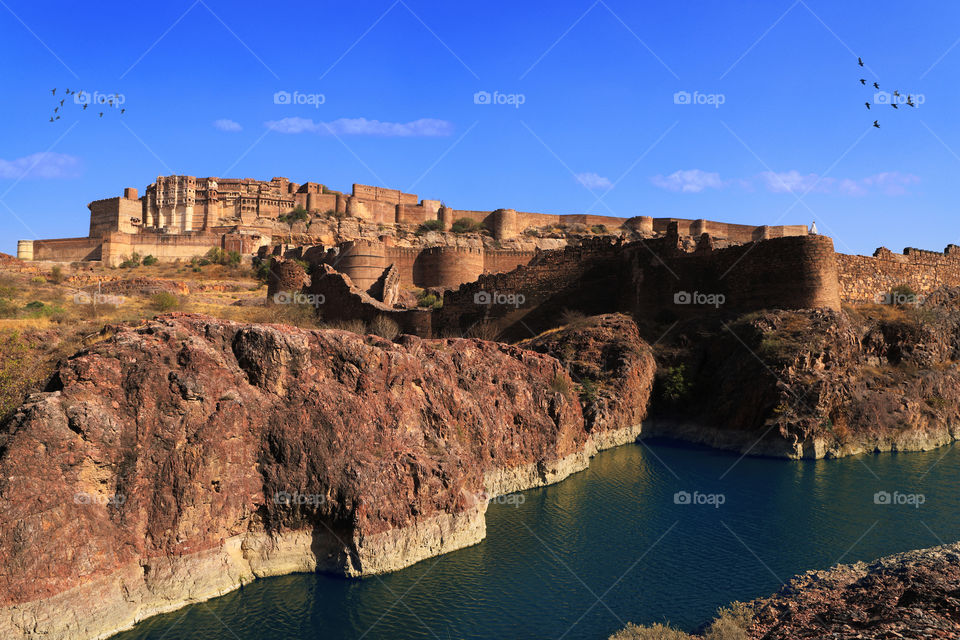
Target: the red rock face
pixel 910 595
pixel 169 438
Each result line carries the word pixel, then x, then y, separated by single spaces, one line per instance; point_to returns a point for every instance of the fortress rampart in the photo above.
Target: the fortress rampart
pixel 865 279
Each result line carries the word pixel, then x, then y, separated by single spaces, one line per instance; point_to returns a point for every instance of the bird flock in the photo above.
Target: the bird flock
pixel 83 99
pixel 878 97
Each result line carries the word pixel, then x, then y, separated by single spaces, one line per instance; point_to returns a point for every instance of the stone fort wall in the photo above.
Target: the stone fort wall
pixel 866 279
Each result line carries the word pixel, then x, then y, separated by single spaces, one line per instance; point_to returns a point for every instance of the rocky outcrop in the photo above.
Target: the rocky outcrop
pixel 816 383
pixel 909 595
pixel 176 460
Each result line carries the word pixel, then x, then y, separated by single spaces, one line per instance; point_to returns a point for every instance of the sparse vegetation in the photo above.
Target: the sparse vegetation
pixel 653 632
pixel 588 390
pixel 599 229
pixel 428 226
pixel 299 214
pixel 384 327
pixel 132 262
pixel 164 301
pixel 429 300
pixel 466 225
pixel 561 384
pixel 149 261
pixel 675 384
pixel 56 275
pixel 573 319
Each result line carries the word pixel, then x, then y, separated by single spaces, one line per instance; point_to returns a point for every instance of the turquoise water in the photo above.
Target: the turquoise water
pixel 610 545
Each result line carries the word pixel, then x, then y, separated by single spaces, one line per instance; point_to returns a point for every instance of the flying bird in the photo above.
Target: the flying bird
pixel 876 124
pixel 894 105
pixel 53 91
pixel 122 110
pixel 61 102
pixel 101 114
pixel 863 82
pixel 58 117
pixel 51 119
pixel 868 104
pixel 860 61
pixel 876 86
pixel 55 109
pixel 896 93
pixel 910 102
pixel 85 106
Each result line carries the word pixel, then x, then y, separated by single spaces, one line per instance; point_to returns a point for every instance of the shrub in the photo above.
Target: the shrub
pixel 429 300
pixel 675 384
pixel 8 288
pixel 164 301
pixel 384 327
pixel 149 261
pixel 356 326
pixel 588 390
pixel 37 309
pixel 429 225
pixel 56 275
pixel 38 280
pixel 561 384
pixel 573 319
pixel 599 229
pixel 299 214
pixel 261 270
pixel 132 262
pixel 654 632
pixel 216 255
pixel 466 225
pixel 731 623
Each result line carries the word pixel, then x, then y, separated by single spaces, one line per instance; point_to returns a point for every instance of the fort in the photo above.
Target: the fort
pixel 370 252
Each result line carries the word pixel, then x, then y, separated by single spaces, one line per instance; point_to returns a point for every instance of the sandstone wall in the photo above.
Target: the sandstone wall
pixel 117 247
pixel 114 214
pixel 66 249
pixel 865 279
pixel 448 266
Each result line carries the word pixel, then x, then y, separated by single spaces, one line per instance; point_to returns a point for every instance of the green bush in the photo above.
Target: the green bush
pixel 588 390
pixel 466 225
pixel 599 229
pixel 675 384
pixel 216 255
pixel 299 214
pixel 430 225
pixel 149 261
pixel 164 301
pixel 429 300
pixel 132 262
pixel 37 309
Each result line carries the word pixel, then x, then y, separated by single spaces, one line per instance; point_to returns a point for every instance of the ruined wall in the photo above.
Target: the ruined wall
pixel 118 246
pixel 500 261
pixel 363 261
pixel 734 232
pixel 647 278
pixel 865 279
pixel 284 275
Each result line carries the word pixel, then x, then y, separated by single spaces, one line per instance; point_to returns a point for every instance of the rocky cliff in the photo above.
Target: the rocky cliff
pixel 815 383
pixel 173 461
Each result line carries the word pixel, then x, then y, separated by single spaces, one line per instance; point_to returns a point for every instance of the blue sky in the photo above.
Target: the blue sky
pixel 582 113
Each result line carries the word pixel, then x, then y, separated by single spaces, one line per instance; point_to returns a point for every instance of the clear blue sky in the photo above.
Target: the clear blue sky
pixel 597 84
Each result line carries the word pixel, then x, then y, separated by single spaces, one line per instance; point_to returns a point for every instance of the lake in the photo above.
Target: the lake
pixel 651 532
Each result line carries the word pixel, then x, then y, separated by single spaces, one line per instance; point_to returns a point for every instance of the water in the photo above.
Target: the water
pixel 610 545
